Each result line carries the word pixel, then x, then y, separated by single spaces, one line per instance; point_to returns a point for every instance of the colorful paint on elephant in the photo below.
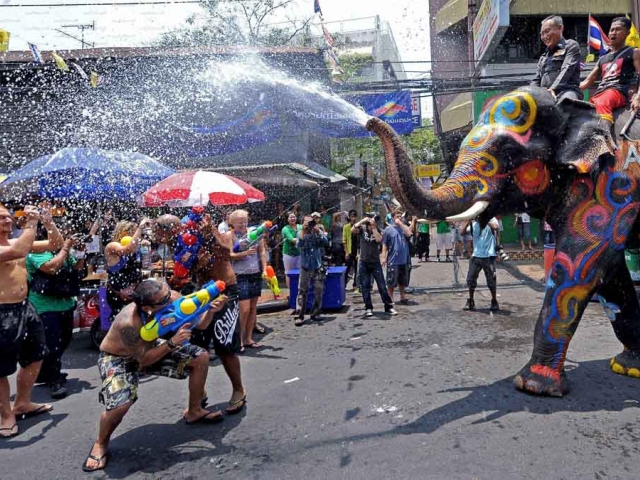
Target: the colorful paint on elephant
pixel 602 221
pixel 477 170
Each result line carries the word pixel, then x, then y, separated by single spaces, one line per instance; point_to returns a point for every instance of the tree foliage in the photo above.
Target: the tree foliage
pixel 352 64
pixel 240 23
pixel 423 146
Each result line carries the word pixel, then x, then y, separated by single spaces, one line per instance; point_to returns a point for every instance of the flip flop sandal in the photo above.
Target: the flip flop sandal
pixel 15 425
pixel 41 410
pixel 206 419
pixel 253 345
pixel 105 457
pixel 238 405
pixel 259 330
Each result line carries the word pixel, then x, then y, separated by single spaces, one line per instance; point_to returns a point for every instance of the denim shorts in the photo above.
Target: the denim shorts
pixel 249 285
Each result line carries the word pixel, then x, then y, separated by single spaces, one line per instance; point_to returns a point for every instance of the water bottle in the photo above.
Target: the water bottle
pixel 145 254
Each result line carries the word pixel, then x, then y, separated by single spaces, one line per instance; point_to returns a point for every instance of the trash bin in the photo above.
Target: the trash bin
pixel 632 259
pixel 549 252
pixel 334 288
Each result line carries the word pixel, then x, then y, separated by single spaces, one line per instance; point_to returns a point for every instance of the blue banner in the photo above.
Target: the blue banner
pixel 259 126
pixel 393 108
pixel 336 118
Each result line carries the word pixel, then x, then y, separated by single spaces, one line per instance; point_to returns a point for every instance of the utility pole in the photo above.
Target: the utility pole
pixel 82 27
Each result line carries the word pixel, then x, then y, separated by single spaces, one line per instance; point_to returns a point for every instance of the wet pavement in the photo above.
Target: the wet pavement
pixel 426 394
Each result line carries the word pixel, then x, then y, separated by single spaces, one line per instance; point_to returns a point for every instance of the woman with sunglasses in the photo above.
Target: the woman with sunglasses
pixel 249 266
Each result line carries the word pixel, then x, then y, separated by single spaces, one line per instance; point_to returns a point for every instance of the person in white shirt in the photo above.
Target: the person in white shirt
pixel 523 222
pixel 224 225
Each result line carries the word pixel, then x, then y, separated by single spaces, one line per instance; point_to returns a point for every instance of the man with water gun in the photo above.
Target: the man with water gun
pixel 224 331
pixel 124 353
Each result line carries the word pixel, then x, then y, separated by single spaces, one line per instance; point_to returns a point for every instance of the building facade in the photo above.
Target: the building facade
pixel 369 36
pixel 510 57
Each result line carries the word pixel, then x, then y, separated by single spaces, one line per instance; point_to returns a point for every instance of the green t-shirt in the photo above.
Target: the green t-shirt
pixel 443 227
pixel 289 236
pixel 44 303
pixel 423 228
pixel 326 221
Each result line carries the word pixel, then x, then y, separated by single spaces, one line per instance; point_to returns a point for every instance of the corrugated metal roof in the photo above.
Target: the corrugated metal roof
pixel 310 169
pixel 129 52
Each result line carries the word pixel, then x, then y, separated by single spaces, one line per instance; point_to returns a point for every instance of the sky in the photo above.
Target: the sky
pixel 141 25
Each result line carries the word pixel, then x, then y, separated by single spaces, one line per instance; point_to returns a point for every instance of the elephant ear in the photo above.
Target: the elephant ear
pixel 586 136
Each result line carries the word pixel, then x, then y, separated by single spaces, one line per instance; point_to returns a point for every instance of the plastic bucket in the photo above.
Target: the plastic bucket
pixel 632 259
pixel 549 252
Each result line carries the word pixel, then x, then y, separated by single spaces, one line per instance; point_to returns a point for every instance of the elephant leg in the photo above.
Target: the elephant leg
pixel 571 285
pixel 620 301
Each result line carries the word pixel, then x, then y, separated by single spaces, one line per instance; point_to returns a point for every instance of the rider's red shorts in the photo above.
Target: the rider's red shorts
pixel 607 101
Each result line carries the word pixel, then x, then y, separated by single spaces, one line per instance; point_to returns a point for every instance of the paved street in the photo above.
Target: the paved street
pixel 426 394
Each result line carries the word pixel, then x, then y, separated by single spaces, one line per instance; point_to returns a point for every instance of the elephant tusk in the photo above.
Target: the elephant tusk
pixel 475 210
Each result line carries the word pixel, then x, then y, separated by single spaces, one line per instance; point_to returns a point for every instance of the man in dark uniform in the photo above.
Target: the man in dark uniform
pixel 559 66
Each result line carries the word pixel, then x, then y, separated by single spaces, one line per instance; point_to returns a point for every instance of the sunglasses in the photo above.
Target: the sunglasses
pixel 164 301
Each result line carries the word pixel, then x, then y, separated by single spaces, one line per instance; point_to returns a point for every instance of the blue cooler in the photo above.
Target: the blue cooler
pixel 334 289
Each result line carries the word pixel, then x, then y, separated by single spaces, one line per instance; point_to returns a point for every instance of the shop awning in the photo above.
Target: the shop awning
pixel 451 13
pixel 302 174
pixel 458 113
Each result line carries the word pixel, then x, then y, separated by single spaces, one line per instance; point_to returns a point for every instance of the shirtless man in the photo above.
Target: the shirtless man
pixel 214 264
pixel 123 354
pixel 21 331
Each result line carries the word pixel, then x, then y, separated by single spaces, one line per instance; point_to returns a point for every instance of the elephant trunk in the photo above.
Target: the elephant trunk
pixel 444 202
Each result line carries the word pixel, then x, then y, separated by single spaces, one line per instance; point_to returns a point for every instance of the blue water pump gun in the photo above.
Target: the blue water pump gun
pixel 187 309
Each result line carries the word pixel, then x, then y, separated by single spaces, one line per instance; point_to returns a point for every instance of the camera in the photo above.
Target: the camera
pixel 503 255
pixel 373 215
pixel 311 225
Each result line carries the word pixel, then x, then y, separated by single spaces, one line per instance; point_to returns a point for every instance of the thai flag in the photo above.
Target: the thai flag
pixel 37 56
pixel 598 41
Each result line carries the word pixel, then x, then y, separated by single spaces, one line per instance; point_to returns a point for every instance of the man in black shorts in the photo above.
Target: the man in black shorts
pixel 22 338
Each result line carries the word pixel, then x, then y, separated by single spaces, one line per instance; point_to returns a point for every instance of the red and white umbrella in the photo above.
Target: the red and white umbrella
pixel 199 187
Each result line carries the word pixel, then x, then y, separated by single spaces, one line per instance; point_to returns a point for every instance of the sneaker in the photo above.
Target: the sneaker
pixel 494 306
pixel 355 292
pixel 316 318
pixel 390 311
pixel 470 305
pixel 368 312
pixel 438 259
pixel 447 259
pixel 58 390
pixel 299 321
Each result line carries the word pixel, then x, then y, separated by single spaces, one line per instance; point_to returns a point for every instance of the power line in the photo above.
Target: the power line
pixel 114 4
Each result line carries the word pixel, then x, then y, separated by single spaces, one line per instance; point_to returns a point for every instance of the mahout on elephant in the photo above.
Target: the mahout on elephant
pixel 557 161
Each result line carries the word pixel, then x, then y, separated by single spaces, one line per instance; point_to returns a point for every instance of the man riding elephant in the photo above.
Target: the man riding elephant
pixel 554 160
pixel 559 66
pixel 617 72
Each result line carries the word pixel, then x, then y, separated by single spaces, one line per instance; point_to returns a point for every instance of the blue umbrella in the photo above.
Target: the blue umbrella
pixel 87 174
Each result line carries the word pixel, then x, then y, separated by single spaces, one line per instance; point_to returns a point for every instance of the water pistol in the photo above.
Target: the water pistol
pixel 189 242
pixel 187 309
pixel 272 281
pixel 252 237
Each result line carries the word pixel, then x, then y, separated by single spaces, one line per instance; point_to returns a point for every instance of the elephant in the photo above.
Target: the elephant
pixel 559 161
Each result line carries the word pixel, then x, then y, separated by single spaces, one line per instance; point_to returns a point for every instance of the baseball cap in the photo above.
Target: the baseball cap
pixel 316 214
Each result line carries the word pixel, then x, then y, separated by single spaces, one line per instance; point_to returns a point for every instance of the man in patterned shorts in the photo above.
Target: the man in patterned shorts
pixel 123 355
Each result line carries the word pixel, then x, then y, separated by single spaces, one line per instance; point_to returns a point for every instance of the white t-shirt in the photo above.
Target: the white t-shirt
pixel 94 245
pixel 223 227
pixel 525 218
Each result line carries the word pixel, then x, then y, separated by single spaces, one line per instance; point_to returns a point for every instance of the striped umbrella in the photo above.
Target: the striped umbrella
pixel 199 187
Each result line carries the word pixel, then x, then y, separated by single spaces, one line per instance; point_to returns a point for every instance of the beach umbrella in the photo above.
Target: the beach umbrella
pixel 86 174
pixel 200 187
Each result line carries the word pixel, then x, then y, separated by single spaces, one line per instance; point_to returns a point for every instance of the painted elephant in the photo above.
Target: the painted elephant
pixel 527 153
